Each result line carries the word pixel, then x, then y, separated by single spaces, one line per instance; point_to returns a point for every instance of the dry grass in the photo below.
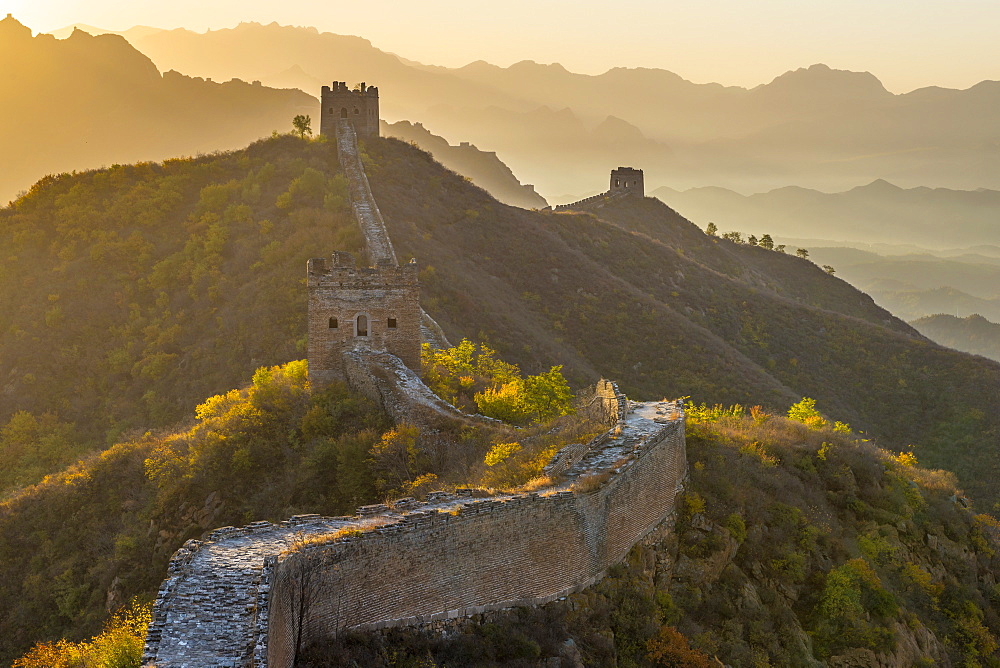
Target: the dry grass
pixel 590 483
pixel 303 541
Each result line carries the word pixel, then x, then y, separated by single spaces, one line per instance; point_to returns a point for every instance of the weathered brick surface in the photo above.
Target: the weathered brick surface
pixel 492 554
pixel 238 599
pixel 338 102
pixel 368 308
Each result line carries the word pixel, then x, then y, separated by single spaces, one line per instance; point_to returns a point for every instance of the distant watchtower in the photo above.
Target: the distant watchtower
pixel 626 180
pixel 360 106
pixel 368 308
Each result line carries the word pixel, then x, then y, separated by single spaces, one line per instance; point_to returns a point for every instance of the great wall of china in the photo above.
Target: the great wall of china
pixel 257 595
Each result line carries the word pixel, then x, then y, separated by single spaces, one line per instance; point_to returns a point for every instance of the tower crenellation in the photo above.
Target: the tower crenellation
pixel 359 105
pixel 360 308
pixel 627 180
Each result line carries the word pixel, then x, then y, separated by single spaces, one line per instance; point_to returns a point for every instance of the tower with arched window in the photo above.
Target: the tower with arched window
pixel 360 308
pixel 626 180
pixel 358 105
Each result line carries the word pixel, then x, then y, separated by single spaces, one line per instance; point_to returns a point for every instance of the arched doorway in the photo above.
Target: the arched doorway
pixel 362 329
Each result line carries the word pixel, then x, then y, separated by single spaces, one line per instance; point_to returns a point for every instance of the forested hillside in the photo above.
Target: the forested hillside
pixel 973 334
pixel 632 291
pixel 135 291
pixel 130 292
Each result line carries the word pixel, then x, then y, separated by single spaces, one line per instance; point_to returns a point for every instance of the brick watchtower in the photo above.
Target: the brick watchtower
pixel 368 308
pixel 360 106
pixel 626 179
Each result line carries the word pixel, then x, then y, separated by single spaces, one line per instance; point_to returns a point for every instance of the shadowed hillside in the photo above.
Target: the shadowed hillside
pixel 635 292
pixel 483 168
pixel 85 101
pixel 973 334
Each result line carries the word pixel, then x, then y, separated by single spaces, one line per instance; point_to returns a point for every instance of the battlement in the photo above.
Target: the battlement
pixel 342 272
pixel 359 105
pixel 360 308
pixel 627 179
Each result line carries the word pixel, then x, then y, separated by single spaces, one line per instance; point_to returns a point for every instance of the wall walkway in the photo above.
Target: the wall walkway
pixel 242 598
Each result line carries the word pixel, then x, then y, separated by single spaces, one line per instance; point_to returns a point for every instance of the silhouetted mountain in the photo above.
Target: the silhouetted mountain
pixel 874 213
pixel 86 101
pixel 485 169
pixel 814 127
pixel 973 334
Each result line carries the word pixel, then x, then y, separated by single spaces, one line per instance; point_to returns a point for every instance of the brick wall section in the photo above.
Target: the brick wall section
pixel 386 380
pixel 387 297
pixel 529 549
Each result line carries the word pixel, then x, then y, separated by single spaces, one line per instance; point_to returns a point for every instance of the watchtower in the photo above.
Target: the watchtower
pixel 366 308
pixel 360 106
pixel 626 179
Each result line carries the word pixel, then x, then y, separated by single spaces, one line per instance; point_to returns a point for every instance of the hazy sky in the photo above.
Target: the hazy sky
pixel 906 43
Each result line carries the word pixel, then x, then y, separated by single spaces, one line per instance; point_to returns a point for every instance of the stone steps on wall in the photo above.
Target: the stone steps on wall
pixel 380 250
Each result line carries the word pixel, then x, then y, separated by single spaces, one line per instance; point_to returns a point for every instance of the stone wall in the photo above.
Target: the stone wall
pixel 380 250
pixel 371 308
pixel 386 380
pixel 482 555
pixel 360 107
pixel 627 180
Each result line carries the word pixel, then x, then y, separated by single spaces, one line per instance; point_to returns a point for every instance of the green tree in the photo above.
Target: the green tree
pixel 712 230
pixel 752 240
pixel 802 253
pixel 806 413
pixel 828 269
pixel 302 125
pixel 767 242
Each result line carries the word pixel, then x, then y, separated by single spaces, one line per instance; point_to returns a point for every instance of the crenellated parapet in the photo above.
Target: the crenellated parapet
pixel 358 105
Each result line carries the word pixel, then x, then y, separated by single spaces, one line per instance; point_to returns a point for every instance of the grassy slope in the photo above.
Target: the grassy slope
pixel 792 547
pixel 636 293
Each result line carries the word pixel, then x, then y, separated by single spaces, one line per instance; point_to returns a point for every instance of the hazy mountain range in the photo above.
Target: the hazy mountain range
pixel 813 127
pixel 973 334
pixel 83 102
pixel 880 212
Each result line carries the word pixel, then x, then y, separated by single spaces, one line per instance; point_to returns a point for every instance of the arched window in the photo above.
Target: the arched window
pixel 356 112
pixel 626 184
pixel 362 325
pixel 343 112
pixel 333 323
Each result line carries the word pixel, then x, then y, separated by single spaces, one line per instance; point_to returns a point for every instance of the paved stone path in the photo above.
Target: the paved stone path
pixel 380 250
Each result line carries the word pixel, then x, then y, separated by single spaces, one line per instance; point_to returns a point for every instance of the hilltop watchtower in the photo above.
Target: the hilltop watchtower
pixel 368 308
pixel 626 179
pixel 358 105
